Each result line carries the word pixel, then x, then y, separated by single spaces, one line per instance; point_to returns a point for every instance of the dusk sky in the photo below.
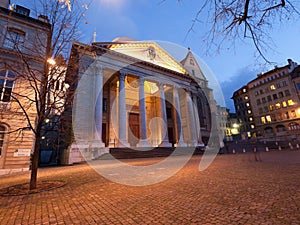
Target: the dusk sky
pixel 170 20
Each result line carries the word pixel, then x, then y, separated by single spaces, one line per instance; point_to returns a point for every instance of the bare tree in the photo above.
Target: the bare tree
pixel 244 19
pixel 43 71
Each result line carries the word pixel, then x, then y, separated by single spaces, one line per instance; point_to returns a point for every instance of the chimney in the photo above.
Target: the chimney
pixel 4 3
pixel 43 18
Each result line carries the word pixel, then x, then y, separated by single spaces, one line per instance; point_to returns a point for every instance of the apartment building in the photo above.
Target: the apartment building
pixel 269 105
pixel 23 44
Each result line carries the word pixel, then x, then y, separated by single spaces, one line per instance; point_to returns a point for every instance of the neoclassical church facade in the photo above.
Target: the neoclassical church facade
pixel 135 94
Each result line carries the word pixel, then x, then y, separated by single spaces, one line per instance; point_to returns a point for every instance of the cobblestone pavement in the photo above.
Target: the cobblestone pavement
pixel 235 189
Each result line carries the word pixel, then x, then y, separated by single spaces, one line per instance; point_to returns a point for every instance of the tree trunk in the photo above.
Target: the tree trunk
pixel 35 159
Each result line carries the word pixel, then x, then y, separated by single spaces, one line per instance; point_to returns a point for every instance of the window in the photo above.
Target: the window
pixel 268 118
pixel 287 93
pixel 14 39
pixel 278 85
pixel 192 62
pixel 244 90
pixel 275 96
pixel 263 100
pixel 261 91
pixel 263 119
pixel 284 104
pixel 169 113
pixel 266 109
pixel 252 126
pixel 293 114
pixel 298 86
pixel 250 119
pixel 286 115
pixel 256 92
pixel 258 101
pixel 2 130
pixel 247 104
pixel 260 110
pixel 280 94
pixel 272 87
pixel 7 79
pixel 269 98
pixel 284 83
pixel 249 111
pixel 272 107
pixel 104 109
pixel 246 97
pixel 277 106
pixel 267 90
pixel 290 102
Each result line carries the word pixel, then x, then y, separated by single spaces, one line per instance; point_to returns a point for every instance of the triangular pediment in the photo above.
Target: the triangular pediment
pixel 190 63
pixel 149 52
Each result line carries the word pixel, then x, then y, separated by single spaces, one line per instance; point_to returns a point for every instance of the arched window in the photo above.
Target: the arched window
pixel 7 80
pixel 269 130
pixel 293 126
pixel 280 128
pixel 2 129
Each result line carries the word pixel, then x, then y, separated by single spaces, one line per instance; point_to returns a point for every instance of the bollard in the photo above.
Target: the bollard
pixel 267 149
pixel 276 143
pixel 297 145
pixel 279 148
pixel 233 151
pixel 244 150
pixel 291 146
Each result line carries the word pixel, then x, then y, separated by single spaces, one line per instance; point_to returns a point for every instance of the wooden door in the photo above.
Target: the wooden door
pixel 133 129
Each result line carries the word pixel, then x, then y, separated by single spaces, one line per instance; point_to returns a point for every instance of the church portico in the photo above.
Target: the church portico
pixel 142 102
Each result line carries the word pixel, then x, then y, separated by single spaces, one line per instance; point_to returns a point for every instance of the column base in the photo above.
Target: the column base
pixel 200 144
pixel 123 144
pixel 165 144
pixel 181 143
pixel 143 143
pixel 97 149
pixel 193 144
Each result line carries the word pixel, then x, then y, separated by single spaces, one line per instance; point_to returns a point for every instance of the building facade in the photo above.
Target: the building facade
pixel 270 104
pixel 135 94
pixel 22 45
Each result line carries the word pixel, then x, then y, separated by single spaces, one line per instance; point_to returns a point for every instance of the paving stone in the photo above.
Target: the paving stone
pixel 235 189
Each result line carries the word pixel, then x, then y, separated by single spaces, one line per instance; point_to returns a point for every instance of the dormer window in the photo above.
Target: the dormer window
pixel 14 38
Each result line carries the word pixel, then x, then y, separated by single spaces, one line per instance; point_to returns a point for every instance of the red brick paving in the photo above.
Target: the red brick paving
pixel 235 189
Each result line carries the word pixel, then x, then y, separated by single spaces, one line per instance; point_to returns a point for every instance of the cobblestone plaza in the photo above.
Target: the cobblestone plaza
pixel 235 189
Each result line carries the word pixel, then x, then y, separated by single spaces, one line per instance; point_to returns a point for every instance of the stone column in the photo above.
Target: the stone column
pixel 98 105
pixel 197 122
pixel 122 112
pixel 143 129
pixel 165 137
pixel 177 116
pixel 191 120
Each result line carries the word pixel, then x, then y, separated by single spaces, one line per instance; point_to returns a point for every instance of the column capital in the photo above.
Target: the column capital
pixel 141 80
pixel 122 76
pixel 161 85
pixel 97 68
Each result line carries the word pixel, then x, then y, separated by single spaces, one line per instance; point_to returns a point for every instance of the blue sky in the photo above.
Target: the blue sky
pixel 170 21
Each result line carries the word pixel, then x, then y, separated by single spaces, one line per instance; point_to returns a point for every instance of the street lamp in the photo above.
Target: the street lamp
pixel 51 61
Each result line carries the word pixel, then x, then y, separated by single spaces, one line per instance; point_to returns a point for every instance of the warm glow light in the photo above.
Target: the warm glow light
pixel 235 125
pixel 51 61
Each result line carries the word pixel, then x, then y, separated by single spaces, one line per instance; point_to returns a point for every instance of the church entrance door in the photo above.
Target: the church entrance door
pixel 134 129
